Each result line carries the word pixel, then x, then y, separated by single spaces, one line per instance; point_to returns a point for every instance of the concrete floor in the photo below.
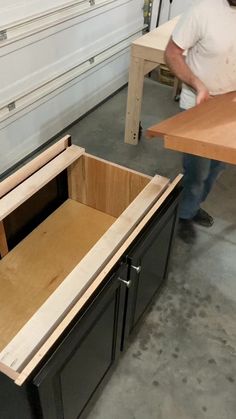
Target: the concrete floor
pixel 181 363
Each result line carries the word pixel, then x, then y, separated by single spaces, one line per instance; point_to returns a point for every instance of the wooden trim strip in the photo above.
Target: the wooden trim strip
pixel 3 240
pixel 39 179
pixel 92 288
pixel 28 340
pixel 23 173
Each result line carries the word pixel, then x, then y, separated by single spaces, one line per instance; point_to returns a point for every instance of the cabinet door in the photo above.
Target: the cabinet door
pixel 149 260
pixel 77 367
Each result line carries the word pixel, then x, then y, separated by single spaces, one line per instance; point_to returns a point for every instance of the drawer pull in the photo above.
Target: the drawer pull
pixel 127 283
pixel 136 268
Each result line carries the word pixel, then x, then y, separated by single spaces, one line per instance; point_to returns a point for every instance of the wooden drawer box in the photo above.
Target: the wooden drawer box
pixel 51 274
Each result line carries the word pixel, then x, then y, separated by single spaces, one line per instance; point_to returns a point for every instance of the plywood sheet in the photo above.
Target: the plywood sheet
pixel 208 130
pixel 36 267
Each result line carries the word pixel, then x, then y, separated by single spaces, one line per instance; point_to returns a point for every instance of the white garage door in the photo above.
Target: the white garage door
pixel 58 60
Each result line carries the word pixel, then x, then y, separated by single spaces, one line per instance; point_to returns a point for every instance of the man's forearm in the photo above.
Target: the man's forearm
pixel 181 70
pixel 176 62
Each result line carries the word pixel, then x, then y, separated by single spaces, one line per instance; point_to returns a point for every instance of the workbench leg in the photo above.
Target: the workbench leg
pixel 134 100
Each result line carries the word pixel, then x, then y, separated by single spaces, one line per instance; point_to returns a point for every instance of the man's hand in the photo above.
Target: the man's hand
pixel 202 94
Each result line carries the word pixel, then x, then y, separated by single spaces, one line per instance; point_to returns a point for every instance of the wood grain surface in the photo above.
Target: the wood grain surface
pixel 207 130
pixel 103 185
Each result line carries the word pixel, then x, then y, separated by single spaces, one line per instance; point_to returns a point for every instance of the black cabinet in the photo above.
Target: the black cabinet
pixel 71 376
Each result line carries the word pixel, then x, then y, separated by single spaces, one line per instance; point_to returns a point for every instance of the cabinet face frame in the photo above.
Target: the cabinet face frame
pixel 19 367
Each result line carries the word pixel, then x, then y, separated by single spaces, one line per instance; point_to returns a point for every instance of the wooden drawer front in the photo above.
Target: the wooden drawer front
pixel 73 373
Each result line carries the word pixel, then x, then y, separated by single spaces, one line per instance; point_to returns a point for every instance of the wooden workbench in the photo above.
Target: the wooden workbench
pixel 147 52
pixel 207 130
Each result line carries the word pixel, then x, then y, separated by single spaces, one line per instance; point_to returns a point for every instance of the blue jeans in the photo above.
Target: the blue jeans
pixel 199 177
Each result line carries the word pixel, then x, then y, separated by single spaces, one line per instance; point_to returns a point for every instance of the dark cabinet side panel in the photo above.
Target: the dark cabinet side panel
pixel 153 262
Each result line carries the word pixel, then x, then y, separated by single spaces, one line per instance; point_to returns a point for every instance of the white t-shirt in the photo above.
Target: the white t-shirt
pixel 208 34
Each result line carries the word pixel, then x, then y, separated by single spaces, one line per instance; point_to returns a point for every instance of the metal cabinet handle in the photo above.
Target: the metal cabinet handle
pixel 136 268
pixel 127 283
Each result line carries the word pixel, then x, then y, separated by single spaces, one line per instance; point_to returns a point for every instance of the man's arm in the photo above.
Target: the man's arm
pixel 176 62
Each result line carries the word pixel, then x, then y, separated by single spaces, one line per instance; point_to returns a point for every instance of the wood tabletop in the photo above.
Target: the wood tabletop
pixel 152 45
pixel 207 130
pixel 157 38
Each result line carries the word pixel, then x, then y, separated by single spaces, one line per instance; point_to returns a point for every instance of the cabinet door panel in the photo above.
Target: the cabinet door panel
pixel 149 260
pixel 153 264
pixel 88 364
pixel 73 373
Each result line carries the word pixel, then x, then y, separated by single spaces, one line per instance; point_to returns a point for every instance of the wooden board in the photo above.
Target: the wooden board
pixel 35 182
pixel 26 343
pixel 32 271
pixel 105 186
pixel 208 130
pixel 28 169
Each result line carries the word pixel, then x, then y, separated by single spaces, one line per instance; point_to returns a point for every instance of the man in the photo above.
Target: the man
pixel 207 33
